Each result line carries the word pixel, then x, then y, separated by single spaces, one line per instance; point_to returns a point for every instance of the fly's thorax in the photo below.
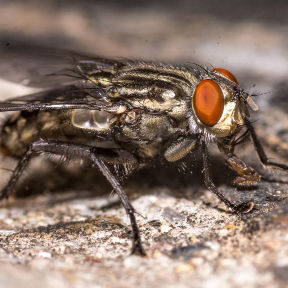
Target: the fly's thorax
pixel 144 134
pixel 155 88
pixel 137 130
pixel 156 101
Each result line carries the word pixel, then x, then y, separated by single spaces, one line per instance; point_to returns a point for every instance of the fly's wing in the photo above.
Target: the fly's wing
pixel 63 73
pixel 66 97
pixel 48 67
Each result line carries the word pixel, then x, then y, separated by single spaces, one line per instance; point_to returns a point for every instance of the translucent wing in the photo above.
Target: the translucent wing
pixel 67 97
pixel 48 67
pixel 62 72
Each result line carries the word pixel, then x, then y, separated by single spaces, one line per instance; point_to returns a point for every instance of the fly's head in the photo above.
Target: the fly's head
pixel 219 105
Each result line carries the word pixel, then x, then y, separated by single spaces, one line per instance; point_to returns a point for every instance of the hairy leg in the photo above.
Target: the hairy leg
pixel 247 176
pixel 260 151
pixel 68 149
pixel 241 208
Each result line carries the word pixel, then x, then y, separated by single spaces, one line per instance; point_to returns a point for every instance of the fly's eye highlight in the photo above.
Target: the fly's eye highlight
pixel 226 74
pixel 208 102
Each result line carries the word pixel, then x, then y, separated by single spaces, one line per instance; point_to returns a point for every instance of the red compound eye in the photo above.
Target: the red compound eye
pixel 227 74
pixel 208 102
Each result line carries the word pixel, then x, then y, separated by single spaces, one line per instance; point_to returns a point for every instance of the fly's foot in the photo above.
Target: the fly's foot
pixel 3 194
pixel 246 182
pixel 138 249
pixel 244 207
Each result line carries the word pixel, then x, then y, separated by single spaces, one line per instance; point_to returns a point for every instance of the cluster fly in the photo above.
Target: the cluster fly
pixel 127 113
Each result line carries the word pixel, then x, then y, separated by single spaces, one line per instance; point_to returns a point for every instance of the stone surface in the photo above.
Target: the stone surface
pixel 63 228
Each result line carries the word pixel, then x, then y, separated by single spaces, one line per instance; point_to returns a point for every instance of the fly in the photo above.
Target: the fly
pixel 127 113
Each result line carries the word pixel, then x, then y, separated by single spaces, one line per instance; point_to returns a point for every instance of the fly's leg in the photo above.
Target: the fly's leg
pixel 247 176
pixel 136 246
pixel 260 151
pixel 68 149
pixel 241 208
pixel 16 174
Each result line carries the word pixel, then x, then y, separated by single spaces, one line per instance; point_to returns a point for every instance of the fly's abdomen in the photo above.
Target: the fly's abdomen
pixel 21 129
pixel 89 127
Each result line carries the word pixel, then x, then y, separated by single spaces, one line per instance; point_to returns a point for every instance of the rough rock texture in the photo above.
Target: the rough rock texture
pixel 63 229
